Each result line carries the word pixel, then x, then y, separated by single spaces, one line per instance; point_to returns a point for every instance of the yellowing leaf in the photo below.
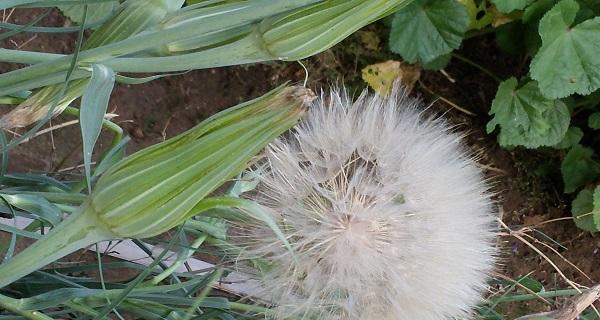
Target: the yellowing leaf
pixel 479 15
pixel 502 18
pixel 381 76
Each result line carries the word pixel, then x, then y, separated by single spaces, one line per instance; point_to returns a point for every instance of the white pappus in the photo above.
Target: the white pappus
pixel 387 215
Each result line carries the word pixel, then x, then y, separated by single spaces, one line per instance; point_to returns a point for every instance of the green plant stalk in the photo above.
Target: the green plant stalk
pixel 38 104
pixel 87 299
pixel 204 206
pixel 12 305
pixel 107 124
pixel 212 278
pixel 133 17
pixel 180 260
pixel 159 187
pixel 210 20
pixel 27 57
pixel 237 39
pixel 242 307
pixel 545 294
pixel 78 231
pixel 54 197
pixel 49 79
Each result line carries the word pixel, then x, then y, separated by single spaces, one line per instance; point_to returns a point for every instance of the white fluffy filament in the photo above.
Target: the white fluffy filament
pixel 387 214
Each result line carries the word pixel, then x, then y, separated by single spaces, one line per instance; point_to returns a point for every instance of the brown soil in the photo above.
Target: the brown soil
pixel 527 183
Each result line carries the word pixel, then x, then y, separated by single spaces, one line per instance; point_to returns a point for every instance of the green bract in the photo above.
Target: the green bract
pixel 159 187
pixel 568 61
pixel 526 118
pixel 428 29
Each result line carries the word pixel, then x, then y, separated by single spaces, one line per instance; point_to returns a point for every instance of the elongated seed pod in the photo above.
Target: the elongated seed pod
pixel 159 187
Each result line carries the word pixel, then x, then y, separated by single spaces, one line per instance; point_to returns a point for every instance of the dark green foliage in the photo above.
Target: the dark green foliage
pixel 560 39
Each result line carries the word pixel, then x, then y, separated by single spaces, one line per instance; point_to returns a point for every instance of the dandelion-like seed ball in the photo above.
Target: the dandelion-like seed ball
pixel 386 213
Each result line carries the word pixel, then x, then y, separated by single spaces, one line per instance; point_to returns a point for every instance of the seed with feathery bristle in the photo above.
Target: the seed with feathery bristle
pixel 387 214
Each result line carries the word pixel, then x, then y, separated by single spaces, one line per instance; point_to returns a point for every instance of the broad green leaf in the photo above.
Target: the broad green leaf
pixel 568 61
pixel 578 168
pixel 594 120
pixel 510 37
pixel 593 5
pixel 596 212
pixel 526 118
pixel 587 10
pixel 586 210
pixel 93 107
pixel 438 63
pixel 506 6
pixel 97 12
pixel 571 138
pixel 532 39
pixel 427 29
pixel 536 10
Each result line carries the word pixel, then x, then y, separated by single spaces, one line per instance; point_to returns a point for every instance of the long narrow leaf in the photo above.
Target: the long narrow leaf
pixel 93 107
pixel 35 205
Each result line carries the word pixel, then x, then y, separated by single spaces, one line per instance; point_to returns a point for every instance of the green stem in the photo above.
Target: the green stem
pixel 78 231
pixel 546 294
pixel 14 3
pixel 107 124
pixel 201 24
pixel 81 308
pixel 55 197
pixel 180 260
pixel 237 306
pixel 474 64
pixel 12 305
pixel 216 275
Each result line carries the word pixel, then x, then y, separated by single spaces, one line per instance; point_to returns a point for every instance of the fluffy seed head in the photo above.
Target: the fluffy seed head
pixel 386 212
